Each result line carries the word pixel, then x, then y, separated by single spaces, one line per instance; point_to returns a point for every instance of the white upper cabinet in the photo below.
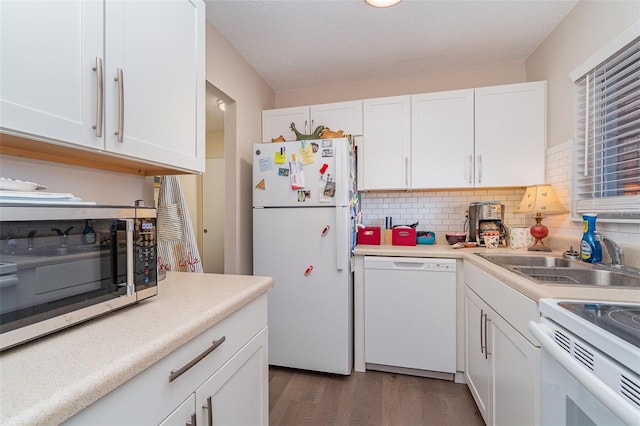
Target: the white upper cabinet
pixel 48 85
pixel 134 68
pixel 345 116
pixel 486 137
pixel 277 122
pixel 384 153
pixel 442 139
pixel 510 134
pixel 157 48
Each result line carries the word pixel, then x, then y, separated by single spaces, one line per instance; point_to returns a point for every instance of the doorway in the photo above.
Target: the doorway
pixel 213 184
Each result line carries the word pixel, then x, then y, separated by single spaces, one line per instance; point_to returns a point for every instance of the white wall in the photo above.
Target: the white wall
pixel 488 75
pixel 231 74
pixel 103 187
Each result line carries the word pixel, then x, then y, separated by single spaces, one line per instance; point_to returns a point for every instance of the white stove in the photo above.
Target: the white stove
pixel 590 362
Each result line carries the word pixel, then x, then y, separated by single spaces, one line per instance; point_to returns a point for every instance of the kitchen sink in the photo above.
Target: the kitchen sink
pixel 515 260
pixel 556 270
pixel 58 251
pixel 580 276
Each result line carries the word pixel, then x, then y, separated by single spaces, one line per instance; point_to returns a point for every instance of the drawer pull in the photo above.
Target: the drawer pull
pixel 177 373
pixel 208 407
pixel 192 422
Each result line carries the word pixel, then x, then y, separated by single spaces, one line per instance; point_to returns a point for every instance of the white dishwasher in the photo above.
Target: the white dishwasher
pixel 410 315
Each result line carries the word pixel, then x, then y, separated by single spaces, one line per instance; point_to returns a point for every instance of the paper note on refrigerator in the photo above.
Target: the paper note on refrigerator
pixel 306 151
pixel 296 175
pixel 265 164
pixel 279 157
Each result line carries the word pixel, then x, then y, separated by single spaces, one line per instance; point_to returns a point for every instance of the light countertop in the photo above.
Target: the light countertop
pixel 49 380
pixel 525 286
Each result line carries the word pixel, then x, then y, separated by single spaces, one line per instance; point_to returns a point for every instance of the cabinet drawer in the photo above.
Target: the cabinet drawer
pixel 149 397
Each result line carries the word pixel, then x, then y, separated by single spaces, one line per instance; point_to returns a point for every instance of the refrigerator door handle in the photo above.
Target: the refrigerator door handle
pixel 341 195
pixel 341 245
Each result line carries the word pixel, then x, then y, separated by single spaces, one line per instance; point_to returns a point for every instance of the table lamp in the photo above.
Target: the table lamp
pixel 541 201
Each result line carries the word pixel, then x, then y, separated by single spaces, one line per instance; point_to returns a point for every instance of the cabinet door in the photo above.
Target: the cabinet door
pixel 157 105
pixel 442 140
pixel 345 116
pixel 238 393
pixel 477 361
pixel 515 376
pixel 48 87
pixel 386 145
pixel 277 122
pixel 510 134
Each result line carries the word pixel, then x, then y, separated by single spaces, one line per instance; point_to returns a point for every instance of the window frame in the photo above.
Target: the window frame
pixel 618 208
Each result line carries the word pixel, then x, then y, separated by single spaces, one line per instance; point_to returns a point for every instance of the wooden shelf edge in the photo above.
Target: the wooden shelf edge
pixel 79 156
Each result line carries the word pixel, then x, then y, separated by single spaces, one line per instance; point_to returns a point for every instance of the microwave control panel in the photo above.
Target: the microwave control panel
pixel 145 252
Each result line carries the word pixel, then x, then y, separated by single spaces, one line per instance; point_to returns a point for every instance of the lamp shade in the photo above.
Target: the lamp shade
pixel 382 3
pixel 540 199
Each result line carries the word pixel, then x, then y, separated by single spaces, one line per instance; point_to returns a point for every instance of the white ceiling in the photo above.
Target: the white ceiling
pixel 296 44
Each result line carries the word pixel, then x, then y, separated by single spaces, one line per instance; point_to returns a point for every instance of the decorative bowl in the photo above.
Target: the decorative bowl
pixel 456 237
pixel 425 237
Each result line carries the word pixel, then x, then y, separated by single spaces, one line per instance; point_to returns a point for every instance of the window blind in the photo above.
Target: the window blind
pixel 606 157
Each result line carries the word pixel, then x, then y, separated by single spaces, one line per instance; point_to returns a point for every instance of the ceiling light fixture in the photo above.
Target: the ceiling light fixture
pixel 221 104
pixel 382 3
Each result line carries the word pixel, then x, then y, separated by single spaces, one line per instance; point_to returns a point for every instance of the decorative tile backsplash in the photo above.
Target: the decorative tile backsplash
pixel 438 211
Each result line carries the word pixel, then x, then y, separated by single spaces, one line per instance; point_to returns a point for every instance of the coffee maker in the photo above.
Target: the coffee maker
pixel 486 216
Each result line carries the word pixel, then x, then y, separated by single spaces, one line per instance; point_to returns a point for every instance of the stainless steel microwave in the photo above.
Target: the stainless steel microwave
pixel 61 265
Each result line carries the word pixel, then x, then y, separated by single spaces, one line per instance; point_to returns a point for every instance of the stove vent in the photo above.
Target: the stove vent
pixel 630 389
pixel 583 355
pixel 562 340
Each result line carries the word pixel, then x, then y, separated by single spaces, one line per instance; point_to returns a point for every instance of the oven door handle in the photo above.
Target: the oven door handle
pixel 610 399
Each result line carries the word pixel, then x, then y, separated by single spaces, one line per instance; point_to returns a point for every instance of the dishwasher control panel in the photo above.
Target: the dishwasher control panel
pixel 410 263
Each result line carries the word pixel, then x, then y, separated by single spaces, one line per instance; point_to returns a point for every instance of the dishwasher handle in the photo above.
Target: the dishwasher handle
pixel 409 264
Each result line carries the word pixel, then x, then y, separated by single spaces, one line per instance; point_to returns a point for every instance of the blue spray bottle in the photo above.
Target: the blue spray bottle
pixel 590 249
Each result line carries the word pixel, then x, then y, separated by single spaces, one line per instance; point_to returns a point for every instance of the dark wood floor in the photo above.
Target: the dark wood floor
pixel 372 398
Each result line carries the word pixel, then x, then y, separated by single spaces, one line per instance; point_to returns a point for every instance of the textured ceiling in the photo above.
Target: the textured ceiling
pixel 296 44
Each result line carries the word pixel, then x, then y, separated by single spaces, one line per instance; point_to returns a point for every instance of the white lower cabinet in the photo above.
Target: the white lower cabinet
pixel 235 394
pixel 221 375
pixel 502 365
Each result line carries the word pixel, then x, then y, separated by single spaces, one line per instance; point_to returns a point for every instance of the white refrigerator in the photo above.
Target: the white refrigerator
pixel 304 210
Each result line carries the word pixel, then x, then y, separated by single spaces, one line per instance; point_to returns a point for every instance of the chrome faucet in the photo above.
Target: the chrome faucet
pixel 30 239
pixel 63 235
pixel 615 252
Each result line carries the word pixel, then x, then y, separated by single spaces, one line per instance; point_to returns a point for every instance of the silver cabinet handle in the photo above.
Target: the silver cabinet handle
pixel 99 103
pixel 192 422
pixel 120 79
pixel 208 407
pixel 486 339
pixel 481 334
pixel 177 373
pixel 306 127
pixel 470 169
pixel 479 167
pixel 406 171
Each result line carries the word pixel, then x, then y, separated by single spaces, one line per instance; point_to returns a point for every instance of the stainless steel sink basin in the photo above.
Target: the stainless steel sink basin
pixel 555 270
pixel 515 260
pixel 580 276
pixel 59 251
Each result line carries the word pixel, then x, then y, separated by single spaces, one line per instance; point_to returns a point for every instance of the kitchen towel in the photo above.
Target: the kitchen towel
pixel 177 248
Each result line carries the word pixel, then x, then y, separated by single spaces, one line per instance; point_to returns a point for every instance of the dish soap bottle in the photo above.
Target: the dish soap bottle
pixel 88 234
pixel 590 249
